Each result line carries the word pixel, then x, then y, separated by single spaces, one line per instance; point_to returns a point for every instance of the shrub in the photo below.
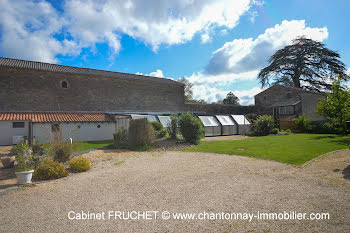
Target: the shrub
pixel 287 132
pixel 50 169
pixel 161 133
pixel 61 151
pixel 120 139
pixel 275 131
pixel 141 134
pixel 304 124
pixel 80 164
pixel 263 125
pixel 172 126
pixel 191 128
pixel 157 126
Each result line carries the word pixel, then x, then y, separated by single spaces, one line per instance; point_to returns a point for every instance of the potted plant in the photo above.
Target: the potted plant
pixel 24 166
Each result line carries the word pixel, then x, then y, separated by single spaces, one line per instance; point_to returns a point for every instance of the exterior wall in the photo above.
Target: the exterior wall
pixel 87 131
pixel 32 90
pixel 309 103
pixel 7 131
pixel 274 95
pixel 218 109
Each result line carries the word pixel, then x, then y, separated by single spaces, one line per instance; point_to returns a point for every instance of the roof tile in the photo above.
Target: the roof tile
pixel 56 117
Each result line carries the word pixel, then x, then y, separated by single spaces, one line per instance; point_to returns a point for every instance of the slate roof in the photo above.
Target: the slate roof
pixel 16 63
pixel 290 88
pixel 55 117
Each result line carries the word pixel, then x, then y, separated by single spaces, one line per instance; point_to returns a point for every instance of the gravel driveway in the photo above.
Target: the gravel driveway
pixel 186 183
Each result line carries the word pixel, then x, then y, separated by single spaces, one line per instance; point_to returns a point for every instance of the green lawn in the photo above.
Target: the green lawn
pixel 79 146
pixel 293 149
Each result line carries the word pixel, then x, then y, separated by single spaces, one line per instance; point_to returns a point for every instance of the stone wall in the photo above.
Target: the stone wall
pixel 32 90
pixel 218 109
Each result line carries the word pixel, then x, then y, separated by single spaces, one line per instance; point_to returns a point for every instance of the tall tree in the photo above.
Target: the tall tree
pixel 188 89
pixel 231 99
pixel 306 64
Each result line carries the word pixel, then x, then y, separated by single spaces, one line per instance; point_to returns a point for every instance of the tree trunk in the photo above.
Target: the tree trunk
pixel 296 79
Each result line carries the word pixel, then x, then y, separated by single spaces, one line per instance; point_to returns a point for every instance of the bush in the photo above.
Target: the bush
pixel 141 134
pixel 161 133
pixel 80 164
pixel 275 131
pixel 191 128
pixel 157 126
pixel 172 126
pixel 50 169
pixel 263 125
pixel 61 151
pixel 120 139
pixel 287 132
pixel 304 124
pixel 323 127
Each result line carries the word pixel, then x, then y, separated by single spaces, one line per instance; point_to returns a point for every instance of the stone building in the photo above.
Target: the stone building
pixel 288 103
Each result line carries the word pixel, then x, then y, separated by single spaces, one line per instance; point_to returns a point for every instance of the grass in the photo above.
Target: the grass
pixel 79 146
pixel 294 149
pixel 118 163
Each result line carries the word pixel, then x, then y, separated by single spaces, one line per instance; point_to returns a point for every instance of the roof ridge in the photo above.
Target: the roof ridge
pixel 66 68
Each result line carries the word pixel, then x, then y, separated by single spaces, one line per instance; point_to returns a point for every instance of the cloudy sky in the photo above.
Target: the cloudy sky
pixel 220 45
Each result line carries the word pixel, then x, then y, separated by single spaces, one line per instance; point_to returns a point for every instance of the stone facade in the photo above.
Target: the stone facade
pixel 278 96
pixel 37 90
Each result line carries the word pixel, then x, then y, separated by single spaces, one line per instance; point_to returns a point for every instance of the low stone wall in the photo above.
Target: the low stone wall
pixel 219 109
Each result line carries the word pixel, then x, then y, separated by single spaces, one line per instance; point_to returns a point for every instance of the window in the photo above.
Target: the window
pixel 55 128
pixel 286 110
pixel 64 84
pixel 264 97
pixel 18 125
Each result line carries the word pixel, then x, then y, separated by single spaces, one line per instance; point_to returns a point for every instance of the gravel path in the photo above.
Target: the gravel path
pixel 188 183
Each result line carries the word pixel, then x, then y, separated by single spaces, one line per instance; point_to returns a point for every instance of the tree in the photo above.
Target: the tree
pixel 231 99
pixel 306 64
pixel 336 107
pixel 188 89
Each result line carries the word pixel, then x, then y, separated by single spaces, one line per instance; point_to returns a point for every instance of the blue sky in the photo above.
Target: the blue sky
pixel 218 45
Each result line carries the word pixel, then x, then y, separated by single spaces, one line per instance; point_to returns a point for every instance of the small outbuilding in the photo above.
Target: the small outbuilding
pixel 212 126
pixel 243 124
pixel 228 126
pixel 44 127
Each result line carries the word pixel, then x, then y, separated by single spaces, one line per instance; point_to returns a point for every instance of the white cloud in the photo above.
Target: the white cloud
pixel 27 30
pixel 28 27
pixel 241 59
pixel 348 71
pixel 244 55
pixel 158 73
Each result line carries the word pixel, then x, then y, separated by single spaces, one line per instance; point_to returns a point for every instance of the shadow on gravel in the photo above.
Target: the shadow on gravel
pixel 346 172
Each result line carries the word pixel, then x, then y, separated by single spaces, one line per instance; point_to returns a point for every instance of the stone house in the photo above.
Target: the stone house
pixel 287 103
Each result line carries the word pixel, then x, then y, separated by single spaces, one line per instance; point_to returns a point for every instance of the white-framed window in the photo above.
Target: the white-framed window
pixel 286 110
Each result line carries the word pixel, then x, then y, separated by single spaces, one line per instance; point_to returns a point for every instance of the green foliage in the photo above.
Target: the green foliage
pixel 304 124
pixel 275 131
pixel 336 107
pixel 296 62
pixel 61 151
pixel 50 169
pixel 161 133
pixel 23 157
pixel 187 89
pixel 231 99
pixel 80 164
pixel 172 126
pixel 141 134
pixel 191 128
pixel 157 125
pixel 120 139
pixel 288 132
pixel 263 125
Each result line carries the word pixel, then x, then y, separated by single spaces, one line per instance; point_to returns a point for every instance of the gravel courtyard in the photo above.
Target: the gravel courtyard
pixel 186 183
